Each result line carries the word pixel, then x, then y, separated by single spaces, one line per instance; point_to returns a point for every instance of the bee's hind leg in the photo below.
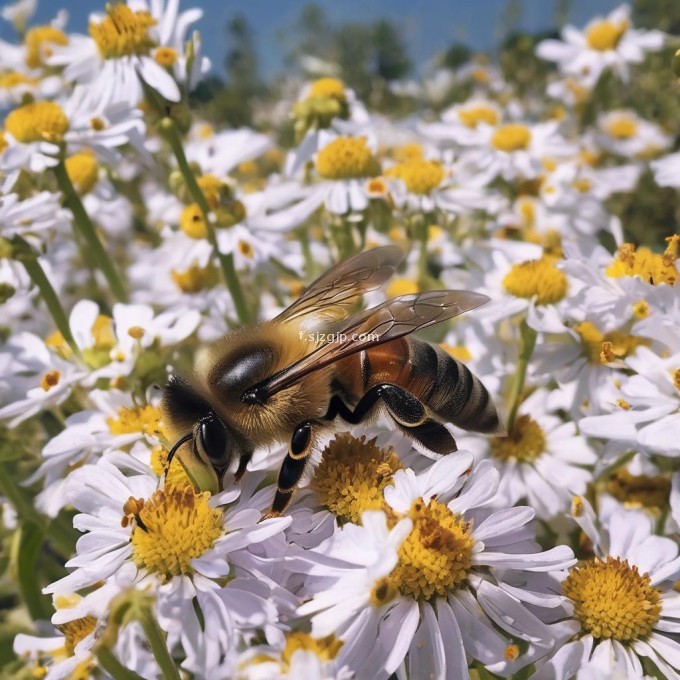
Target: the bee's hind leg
pixel 293 466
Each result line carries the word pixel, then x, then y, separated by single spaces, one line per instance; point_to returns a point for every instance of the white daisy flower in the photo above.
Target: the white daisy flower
pixel 624 606
pixel 667 170
pixel 605 42
pixel 624 133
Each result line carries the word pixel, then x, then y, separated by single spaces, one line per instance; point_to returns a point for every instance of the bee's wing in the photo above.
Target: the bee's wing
pixel 331 296
pixel 390 320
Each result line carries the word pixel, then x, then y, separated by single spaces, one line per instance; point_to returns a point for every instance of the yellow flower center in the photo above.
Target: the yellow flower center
pixel 172 528
pixel 639 490
pixel 37 122
pixel 352 476
pixel 347 158
pixel 472 116
pixel 122 32
pixel 650 267
pixel 83 171
pixel 621 127
pixel 328 87
pixel 436 556
pixel 459 352
pixel 50 379
pixel 400 286
pixel 605 35
pixel 192 222
pixel 175 475
pixel 166 56
pixel 144 419
pixel 641 309
pixel 511 653
pixel 195 278
pixel 511 137
pixel 525 443
pixel 676 378
pixel 377 186
pixel 612 600
pixel 75 631
pixel 14 78
pixel 407 152
pixel 420 176
pixel 539 278
pixel 326 648
pixel 603 347
pixel 38 41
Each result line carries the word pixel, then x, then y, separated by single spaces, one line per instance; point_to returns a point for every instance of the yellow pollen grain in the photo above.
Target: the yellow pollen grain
pixel 641 309
pixel 123 32
pixel 97 124
pixel 352 476
pixel 612 600
pixel 328 87
pixel 325 649
pixel 639 490
pixel 511 137
pixel 676 378
pixel 621 127
pixel 347 158
pixel 37 122
pixel 376 186
pixel 145 419
pixel 173 527
pixel 420 176
pixel 607 354
pixel 246 249
pixel 166 56
pixel 525 443
pixel 83 171
pixel 539 278
pixel 583 185
pixel 401 286
pixel 195 278
pixel 619 345
pixel 511 653
pixel 643 263
pixel 50 379
pixel 622 403
pixel 192 222
pixel 383 592
pixel 577 506
pixel 472 116
pixel 436 556
pixel 605 35
pixel 75 631
pixel 37 42
pixel 136 332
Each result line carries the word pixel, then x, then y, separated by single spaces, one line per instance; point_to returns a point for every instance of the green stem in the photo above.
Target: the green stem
pixel 18 498
pixel 423 234
pixel 82 222
pixel 169 129
pixel 157 643
pixel 109 662
pixel 51 299
pixel 528 344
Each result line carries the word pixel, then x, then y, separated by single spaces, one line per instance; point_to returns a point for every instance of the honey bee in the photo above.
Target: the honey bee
pixel 291 377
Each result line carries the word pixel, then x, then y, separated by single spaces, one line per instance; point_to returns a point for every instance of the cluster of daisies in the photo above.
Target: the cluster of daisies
pixel 132 233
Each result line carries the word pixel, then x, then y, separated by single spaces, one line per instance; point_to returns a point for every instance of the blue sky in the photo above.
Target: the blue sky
pixel 429 25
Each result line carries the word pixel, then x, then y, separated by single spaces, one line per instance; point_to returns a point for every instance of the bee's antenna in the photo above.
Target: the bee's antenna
pixel 173 450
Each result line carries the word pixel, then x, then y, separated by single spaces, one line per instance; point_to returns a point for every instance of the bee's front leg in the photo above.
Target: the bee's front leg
pixel 293 466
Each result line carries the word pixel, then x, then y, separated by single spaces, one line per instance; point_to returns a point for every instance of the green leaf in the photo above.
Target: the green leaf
pixel 26 548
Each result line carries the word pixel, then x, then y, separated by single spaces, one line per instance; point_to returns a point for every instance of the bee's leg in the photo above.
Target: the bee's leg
pixel 242 465
pixel 406 409
pixel 301 445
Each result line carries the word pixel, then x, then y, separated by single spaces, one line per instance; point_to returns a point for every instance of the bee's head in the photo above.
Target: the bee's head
pixel 211 447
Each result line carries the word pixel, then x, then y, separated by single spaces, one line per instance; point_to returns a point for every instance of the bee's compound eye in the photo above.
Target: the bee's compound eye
pixel 214 440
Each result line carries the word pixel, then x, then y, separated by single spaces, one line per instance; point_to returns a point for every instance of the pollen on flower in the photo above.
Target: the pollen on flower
pixel 676 378
pixel 376 187
pixel 408 152
pixel 75 631
pixel 352 476
pixel 420 176
pixel 325 649
pixel 97 124
pixel 347 158
pixel 145 419
pixel 612 600
pixel 619 344
pixel 525 443
pixel 123 32
pixel 136 332
pixel 50 379
pixel 166 56
pixel 472 116
pixel 175 475
pixel 12 79
pixel 642 262
pixel 639 490
pixel 511 137
pixel 328 87
pixel 37 122
pixel 605 35
pixel 174 526
pixel 641 309
pixel 192 222
pixel 38 41
pixel 195 278
pixel 83 171
pixel 511 653
pixel 539 278
pixel 622 403
pixel 246 249
pixel 621 126
pixel 577 506
pixel 436 556
pixel 383 592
